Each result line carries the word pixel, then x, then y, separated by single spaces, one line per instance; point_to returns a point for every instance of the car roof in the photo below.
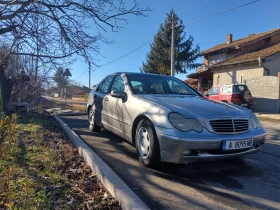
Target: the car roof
pixel 137 73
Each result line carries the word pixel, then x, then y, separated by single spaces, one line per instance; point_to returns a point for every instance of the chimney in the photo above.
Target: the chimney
pixel 229 38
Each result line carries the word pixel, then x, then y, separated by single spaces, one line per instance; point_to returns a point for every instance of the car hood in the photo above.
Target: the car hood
pixel 197 107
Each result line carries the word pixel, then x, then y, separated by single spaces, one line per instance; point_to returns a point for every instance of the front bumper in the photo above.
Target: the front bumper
pixel 204 146
pixel 245 104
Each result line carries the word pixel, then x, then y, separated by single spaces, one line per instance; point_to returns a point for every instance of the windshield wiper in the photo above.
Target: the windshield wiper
pixel 190 94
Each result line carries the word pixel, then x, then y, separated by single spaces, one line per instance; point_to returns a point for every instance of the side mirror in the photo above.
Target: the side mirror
pixel 118 94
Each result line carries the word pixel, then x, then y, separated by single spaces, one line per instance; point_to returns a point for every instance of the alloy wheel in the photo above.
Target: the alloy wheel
pixel 143 143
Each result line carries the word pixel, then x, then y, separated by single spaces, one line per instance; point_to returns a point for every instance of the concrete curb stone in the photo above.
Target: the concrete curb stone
pixel 114 184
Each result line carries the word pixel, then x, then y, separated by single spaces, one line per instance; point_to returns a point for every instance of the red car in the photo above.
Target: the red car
pixel 234 93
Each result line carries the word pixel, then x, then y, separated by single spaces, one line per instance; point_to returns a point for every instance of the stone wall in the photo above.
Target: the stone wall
pixel 266 93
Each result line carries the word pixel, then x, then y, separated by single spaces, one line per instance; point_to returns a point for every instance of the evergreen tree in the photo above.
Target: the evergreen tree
pixel 59 78
pixel 159 58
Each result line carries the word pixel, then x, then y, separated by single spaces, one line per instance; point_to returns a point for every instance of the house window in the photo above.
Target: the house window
pixel 216 58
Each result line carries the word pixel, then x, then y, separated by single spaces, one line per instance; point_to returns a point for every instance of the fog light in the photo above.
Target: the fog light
pixel 186 152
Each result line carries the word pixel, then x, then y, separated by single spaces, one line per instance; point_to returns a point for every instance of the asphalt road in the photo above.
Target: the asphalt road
pixel 252 182
pixel 68 101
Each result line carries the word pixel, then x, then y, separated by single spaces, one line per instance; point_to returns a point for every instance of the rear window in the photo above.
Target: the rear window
pixel 239 88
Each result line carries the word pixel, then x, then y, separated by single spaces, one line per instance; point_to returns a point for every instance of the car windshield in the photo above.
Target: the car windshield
pixel 156 84
pixel 239 88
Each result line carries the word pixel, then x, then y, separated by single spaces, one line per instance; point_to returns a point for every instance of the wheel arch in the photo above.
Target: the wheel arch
pixel 135 124
pixel 88 108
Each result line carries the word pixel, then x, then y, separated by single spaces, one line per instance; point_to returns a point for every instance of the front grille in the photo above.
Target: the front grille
pixel 230 125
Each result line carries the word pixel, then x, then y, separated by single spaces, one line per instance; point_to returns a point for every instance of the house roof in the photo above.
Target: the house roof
pixel 239 42
pixel 201 72
pixel 263 52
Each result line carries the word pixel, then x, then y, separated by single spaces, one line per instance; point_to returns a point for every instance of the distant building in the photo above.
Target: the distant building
pixel 235 61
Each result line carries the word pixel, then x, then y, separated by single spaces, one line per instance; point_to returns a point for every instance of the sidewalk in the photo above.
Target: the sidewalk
pixel 63 100
pixel 59 111
pixel 269 116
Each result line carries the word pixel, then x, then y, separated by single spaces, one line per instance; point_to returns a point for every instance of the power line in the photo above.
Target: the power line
pixel 194 6
pixel 126 54
pixel 218 13
pixel 196 20
pixel 130 52
pixel 81 75
pixel 215 8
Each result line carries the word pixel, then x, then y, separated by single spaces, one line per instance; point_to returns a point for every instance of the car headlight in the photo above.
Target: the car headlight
pixel 184 124
pixel 255 122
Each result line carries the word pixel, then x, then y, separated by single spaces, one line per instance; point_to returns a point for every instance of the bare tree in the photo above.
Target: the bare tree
pixel 37 36
pixel 57 29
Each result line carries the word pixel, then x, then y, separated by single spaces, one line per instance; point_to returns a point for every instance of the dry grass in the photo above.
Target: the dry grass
pixel 41 169
pixel 78 107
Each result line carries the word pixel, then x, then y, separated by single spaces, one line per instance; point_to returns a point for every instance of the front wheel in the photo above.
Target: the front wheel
pixel 147 144
pixel 92 124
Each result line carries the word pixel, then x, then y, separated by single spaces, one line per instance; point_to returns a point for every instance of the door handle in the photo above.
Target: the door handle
pixel 106 99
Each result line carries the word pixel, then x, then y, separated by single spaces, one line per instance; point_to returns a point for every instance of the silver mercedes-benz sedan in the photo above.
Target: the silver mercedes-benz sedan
pixel 168 121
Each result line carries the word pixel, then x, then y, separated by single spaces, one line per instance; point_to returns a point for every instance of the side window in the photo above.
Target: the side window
pixel 213 91
pixel 118 84
pixel 225 89
pixel 156 88
pixel 105 85
pixel 138 87
pixel 177 88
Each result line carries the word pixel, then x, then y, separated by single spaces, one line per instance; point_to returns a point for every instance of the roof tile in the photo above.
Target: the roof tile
pixel 263 52
pixel 238 42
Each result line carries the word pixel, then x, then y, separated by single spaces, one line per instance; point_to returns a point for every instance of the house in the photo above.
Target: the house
pixel 236 61
pixel 80 93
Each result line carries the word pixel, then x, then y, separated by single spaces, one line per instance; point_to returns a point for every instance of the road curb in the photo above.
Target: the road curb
pixel 71 113
pixel 114 184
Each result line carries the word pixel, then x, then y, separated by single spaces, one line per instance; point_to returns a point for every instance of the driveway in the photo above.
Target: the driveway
pixel 248 183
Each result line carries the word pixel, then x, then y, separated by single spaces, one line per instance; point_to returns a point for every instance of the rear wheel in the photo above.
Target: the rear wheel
pixel 92 124
pixel 245 95
pixel 147 144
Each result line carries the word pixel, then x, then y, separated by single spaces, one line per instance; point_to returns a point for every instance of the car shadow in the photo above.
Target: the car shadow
pixel 222 181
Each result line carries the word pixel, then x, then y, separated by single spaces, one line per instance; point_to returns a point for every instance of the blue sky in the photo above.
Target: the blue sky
pixel 258 17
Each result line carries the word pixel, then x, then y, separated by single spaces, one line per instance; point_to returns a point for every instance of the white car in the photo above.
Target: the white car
pixel 168 121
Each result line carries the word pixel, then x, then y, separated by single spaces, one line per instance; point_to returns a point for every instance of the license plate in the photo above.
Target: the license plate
pixel 237 144
pixel 244 104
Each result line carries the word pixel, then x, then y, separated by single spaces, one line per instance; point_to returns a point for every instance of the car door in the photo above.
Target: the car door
pixel 225 93
pixel 116 110
pixel 99 97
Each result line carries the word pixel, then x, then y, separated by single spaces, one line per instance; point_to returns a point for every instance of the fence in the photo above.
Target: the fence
pixel 266 93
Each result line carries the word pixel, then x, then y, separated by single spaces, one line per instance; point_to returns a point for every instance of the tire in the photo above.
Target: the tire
pixel 92 125
pixel 146 143
pixel 245 95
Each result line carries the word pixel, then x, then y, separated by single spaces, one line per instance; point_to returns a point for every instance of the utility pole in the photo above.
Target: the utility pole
pixel 89 77
pixel 172 48
pixel 37 46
